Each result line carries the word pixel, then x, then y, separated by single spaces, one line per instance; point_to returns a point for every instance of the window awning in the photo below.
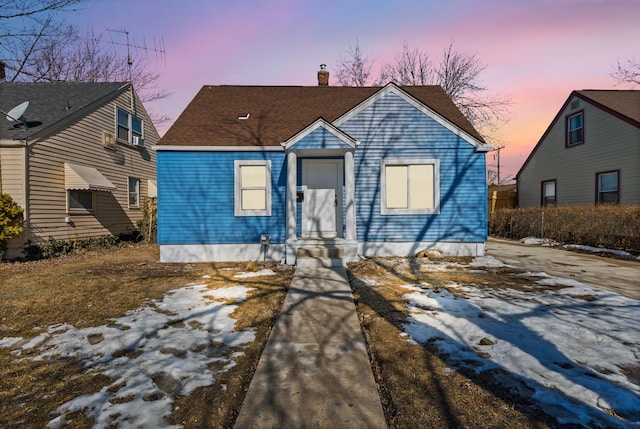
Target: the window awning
pixel 85 178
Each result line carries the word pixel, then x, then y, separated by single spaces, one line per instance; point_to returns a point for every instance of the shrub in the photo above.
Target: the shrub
pixel 52 247
pixel 10 220
pixel 610 226
pixel 147 226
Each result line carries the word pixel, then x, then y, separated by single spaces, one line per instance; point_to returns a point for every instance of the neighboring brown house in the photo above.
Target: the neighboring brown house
pixel 79 161
pixel 590 154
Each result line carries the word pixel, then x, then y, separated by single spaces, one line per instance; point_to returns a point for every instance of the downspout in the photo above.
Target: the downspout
pixel 27 186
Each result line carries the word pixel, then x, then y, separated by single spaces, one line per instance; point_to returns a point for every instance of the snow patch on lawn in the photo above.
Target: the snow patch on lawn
pixel 597 250
pixel 567 348
pixel 265 272
pixel 535 241
pixel 153 354
pixel 487 261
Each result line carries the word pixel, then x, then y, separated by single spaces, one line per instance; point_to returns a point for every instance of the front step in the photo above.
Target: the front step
pixel 317 255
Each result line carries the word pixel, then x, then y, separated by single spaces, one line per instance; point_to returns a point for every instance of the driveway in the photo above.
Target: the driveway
pixel 617 275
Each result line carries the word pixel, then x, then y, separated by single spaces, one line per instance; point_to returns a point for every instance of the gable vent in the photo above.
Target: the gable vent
pixel 575 104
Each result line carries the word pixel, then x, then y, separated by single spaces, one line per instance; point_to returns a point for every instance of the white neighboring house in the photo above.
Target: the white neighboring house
pixel 79 162
pixel 590 154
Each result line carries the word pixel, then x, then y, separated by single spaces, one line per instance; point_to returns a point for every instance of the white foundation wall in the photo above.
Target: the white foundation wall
pixel 275 252
pixel 220 252
pixel 408 249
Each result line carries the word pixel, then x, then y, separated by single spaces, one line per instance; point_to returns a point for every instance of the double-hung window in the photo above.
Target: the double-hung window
pixel 252 188
pixel 134 192
pixel 130 127
pixel 410 186
pixel 608 187
pixel 549 193
pixel 575 129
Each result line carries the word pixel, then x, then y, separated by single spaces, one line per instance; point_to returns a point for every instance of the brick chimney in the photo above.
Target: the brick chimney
pixel 323 76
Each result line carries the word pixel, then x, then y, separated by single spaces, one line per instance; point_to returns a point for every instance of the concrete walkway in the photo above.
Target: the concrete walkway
pixel 314 371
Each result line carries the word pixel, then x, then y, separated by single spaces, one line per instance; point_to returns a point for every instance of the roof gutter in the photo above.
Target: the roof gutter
pixel 12 143
pixel 218 148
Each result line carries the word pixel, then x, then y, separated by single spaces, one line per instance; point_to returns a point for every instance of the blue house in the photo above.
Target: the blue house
pixel 252 172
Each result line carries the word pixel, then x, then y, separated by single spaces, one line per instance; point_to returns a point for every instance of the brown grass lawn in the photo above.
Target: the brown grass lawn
pixel 418 388
pixel 87 289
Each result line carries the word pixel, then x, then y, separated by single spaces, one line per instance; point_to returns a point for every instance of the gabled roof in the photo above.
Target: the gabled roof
pixel 623 104
pixel 277 113
pixel 51 103
pixel 320 135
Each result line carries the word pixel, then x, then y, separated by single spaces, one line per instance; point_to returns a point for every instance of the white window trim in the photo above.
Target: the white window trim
pixel 409 161
pixel 238 211
pixel 78 210
pixel 136 206
pixel 130 117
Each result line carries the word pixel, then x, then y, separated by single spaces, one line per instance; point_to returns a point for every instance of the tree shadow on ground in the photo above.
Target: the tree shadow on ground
pixel 381 308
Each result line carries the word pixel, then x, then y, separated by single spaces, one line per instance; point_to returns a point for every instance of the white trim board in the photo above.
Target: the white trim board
pixel 321 123
pixel 392 88
pixel 219 252
pixel 410 248
pixel 218 148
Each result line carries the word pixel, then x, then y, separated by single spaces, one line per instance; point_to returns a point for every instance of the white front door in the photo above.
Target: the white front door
pixel 322 203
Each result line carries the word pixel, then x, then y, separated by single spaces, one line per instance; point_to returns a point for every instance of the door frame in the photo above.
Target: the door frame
pixel 339 162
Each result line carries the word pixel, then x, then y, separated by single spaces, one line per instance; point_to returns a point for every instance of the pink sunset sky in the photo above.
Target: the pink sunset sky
pixel 536 51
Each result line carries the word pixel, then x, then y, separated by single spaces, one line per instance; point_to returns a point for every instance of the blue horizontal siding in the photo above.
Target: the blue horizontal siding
pixel 196 189
pixel 196 199
pixel 390 128
pixel 320 138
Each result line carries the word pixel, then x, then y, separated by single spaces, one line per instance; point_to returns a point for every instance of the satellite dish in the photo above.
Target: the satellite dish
pixel 17 113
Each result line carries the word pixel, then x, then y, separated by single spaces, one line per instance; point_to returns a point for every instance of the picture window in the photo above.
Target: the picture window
pixel 410 186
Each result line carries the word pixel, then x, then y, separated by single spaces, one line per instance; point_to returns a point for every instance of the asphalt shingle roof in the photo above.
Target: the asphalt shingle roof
pixel 624 102
pixel 276 113
pixel 49 102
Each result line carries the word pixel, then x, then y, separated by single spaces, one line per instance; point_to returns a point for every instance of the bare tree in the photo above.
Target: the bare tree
pixel 10 9
pixel 627 72
pixel 354 69
pixel 25 25
pixel 37 45
pixel 457 72
pixel 410 67
pixel 89 58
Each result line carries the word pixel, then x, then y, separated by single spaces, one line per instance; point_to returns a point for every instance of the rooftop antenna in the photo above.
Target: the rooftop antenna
pixel 158 47
pixel 128 45
pixel 17 114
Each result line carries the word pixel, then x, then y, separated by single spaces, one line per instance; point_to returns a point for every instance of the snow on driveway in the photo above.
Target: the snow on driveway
pixel 153 354
pixel 575 350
